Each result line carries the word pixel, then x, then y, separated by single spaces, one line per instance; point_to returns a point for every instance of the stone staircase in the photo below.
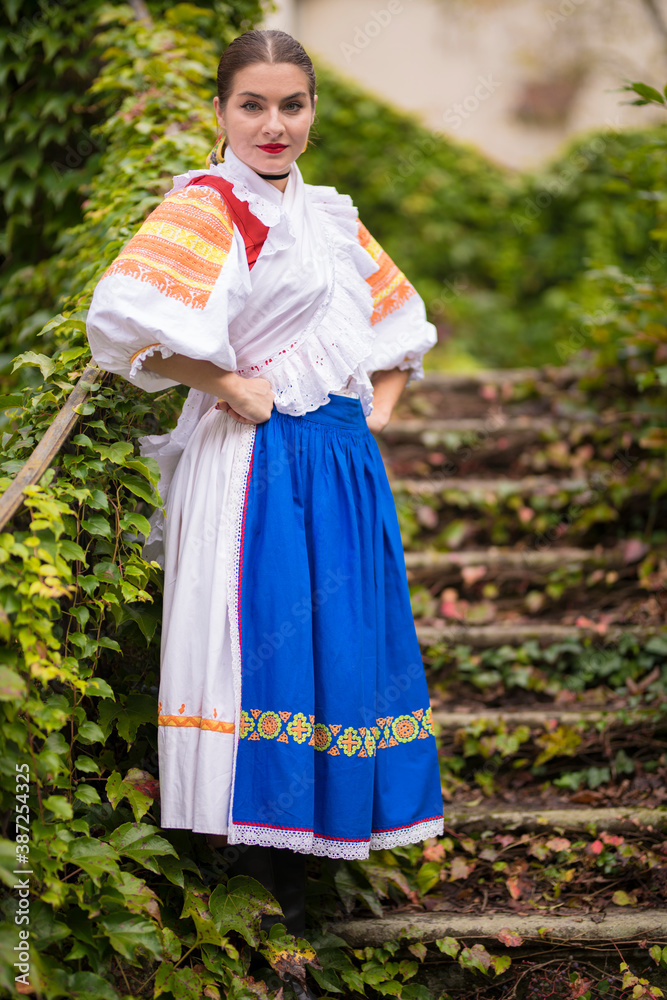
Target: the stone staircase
pixel 527 512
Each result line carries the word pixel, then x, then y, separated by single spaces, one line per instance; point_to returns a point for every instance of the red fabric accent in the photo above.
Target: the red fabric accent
pixel 253 231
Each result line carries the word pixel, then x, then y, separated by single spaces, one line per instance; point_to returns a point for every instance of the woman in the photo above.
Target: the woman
pixel 293 707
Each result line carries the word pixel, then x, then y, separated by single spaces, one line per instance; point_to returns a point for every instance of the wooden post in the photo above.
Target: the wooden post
pixel 48 447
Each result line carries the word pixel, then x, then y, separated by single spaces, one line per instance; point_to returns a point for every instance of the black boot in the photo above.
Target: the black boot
pixel 283 873
pixel 289 879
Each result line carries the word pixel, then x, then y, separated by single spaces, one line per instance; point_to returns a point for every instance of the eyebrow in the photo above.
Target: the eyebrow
pixel 249 93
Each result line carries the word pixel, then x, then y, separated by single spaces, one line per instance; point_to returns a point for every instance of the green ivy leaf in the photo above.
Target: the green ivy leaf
pixel 95 524
pixel 59 806
pixel 138 486
pixel 97 687
pixel 449 945
pixel 182 984
pixel 127 933
pixel 174 868
pixel 45 364
pixel 118 452
pixel 137 521
pixel 501 963
pixel 114 789
pixel 8 862
pixel 238 906
pixel 327 979
pixel 392 988
pixel 90 732
pixel 94 856
pixel 87 794
pixel 140 842
pixel 622 898
pixel 82 985
pixel 415 992
pixel 12 685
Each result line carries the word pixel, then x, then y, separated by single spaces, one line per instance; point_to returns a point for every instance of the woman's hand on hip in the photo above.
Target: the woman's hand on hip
pixel 248 400
pixel 377 419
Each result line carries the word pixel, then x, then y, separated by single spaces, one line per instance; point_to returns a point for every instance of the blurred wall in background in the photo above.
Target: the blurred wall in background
pixel 516 78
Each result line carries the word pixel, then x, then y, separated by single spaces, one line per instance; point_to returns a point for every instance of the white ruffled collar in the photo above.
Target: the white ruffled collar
pixel 235 169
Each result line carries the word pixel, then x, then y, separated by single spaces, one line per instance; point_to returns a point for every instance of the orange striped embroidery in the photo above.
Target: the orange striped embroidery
pixel 196 722
pixel 141 351
pixel 181 247
pixel 389 286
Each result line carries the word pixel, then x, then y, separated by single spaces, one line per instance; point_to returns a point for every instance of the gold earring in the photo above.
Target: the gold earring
pixel 306 146
pixel 217 153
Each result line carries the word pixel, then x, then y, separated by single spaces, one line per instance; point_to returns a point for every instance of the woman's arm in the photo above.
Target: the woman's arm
pixel 387 387
pixel 248 400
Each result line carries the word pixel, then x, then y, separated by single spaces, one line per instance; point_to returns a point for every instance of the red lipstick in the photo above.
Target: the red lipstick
pixel 272 147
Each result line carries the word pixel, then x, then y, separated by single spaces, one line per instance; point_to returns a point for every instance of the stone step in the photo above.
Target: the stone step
pixel 476 431
pixel 545 633
pixel 617 925
pixel 505 487
pixel 556 375
pixel 466 394
pixel 612 819
pixel 532 717
pixel 510 563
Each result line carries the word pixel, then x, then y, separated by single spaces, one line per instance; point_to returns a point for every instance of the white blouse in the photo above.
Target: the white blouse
pixel 322 309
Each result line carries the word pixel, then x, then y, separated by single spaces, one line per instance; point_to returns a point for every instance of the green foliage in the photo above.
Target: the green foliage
pixel 55 125
pixel 576 665
pixel 48 149
pixel 497 257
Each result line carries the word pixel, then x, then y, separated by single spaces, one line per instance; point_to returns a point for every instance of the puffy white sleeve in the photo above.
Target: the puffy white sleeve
pixel 402 332
pixel 173 289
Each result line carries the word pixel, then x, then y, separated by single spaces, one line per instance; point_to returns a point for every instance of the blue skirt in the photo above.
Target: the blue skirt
pixel 335 751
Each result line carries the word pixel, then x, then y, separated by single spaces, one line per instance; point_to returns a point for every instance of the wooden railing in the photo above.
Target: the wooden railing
pixel 49 446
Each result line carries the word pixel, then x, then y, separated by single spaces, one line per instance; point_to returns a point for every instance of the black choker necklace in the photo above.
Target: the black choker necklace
pixel 272 177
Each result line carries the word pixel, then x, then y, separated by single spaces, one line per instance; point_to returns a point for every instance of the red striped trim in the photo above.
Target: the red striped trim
pixel 407 826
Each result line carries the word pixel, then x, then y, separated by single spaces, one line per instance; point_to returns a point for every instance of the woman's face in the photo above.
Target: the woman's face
pixel 268 116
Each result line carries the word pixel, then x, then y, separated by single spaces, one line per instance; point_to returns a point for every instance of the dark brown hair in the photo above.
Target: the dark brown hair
pixel 261 47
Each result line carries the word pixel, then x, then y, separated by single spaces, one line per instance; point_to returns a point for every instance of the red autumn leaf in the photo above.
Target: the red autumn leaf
pixel 558 844
pixel 583 622
pixel 597 847
pixel 633 550
pixel 579 987
pixel 143 781
pixel 612 839
pixel 471 574
pixel 509 937
pixel 435 852
pixel 514 886
pixel 459 868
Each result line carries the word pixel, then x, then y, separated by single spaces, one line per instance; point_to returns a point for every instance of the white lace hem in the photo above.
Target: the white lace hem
pixel 306 842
